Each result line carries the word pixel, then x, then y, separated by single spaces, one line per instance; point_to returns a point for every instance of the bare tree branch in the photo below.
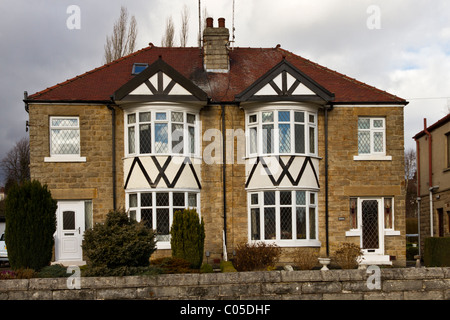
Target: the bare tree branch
pixel 168 38
pixel 16 164
pixel 184 26
pixel 121 42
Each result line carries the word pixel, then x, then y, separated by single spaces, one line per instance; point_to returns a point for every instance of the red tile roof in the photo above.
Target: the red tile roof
pixel 246 66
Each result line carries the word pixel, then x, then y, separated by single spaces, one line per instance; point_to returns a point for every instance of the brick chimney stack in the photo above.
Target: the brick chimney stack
pixel 215 47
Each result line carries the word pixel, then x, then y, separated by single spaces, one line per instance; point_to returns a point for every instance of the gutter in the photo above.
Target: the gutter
pixel 224 180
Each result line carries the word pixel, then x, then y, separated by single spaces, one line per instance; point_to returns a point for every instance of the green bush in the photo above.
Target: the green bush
pixel 437 252
pixel 188 237
pixel 227 266
pixel 118 242
pixel 30 224
pixel 206 268
pixel 258 256
pixel 103 271
pixel 411 252
pixel 172 265
pixel 53 271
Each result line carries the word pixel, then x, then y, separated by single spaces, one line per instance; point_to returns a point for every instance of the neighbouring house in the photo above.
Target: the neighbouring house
pixel 2 214
pixel 266 145
pixel 433 179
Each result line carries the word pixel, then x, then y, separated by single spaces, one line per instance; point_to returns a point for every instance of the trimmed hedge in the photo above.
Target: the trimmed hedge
pixel 437 252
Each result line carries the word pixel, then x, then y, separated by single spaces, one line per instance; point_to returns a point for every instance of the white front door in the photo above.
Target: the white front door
pixel 372 235
pixel 70 230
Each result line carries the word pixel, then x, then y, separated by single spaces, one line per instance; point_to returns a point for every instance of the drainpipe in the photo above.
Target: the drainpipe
pixel 224 178
pixel 113 136
pixel 430 174
pixel 326 179
pixel 418 192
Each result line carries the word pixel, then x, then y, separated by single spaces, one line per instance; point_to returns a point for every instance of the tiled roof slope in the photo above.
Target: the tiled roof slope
pixel 246 66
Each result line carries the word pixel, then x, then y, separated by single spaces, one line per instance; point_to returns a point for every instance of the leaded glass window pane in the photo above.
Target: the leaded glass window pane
pixel 132 200
pixel 363 123
pixel 161 138
pixel 146 199
pixel 147 217
pixel 161 116
pixel 191 118
pixel 254 198
pixel 131 118
pixel 285 138
pixel 299 138
pixel 378 142
pixel 312 140
pixel 267 116
pixel 378 123
pixel 61 122
pixel 269 223
pixel 285 197
pixel 286 223
pixel 269 198
pixel 252 118
pixel 177 116
pixel 131 140
pixel 191 139
pixel 178 199
pixel 192 199
pixel 255 224
pixel 145 138
pixel 145 116
pixel 300 198
pixel 267 138
pixel 162 199
pixel 253 140
pixel 68 220
pixel 65 141
pixel 284 116
pixel 312 223
pixel 301 222
pixel 364 142
pixel 299 117
pixel 177 138
pixel 162 224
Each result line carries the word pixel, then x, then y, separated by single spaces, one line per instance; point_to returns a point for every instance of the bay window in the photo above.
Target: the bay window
pixel 161 132
pixel 156 210
pixel 285 217
pixel 281 132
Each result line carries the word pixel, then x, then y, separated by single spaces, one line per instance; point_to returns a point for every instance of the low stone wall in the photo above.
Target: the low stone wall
pixel 384 284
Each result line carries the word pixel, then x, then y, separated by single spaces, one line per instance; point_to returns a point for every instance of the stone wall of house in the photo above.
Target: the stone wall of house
pixel 392 284
pixel 90 180
pixel 350 178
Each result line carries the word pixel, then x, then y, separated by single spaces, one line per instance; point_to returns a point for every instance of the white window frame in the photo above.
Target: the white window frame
pixel 169 122
pixel 308 242
pixel 64 157
pixel 258 125
pixel 356 232
pixel 372 154
pixel 161 244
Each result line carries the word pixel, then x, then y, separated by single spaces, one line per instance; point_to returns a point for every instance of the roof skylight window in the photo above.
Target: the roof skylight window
pixel 139 67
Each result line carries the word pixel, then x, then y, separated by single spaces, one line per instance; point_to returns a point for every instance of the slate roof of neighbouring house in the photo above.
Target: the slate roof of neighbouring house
pixel 247 65
pixel 434 126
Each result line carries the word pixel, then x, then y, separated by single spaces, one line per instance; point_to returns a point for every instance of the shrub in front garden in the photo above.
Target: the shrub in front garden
pixel 256 256
pixel 30 215
pixel 188 237
pixel 347 255
pixel 118 242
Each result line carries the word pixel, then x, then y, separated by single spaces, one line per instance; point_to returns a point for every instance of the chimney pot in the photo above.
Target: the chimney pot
pixel 221 22
pixel 209 22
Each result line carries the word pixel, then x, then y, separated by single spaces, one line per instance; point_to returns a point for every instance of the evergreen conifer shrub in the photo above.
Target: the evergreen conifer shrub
pixel 118 243
pixel 188 237
pixel 30 213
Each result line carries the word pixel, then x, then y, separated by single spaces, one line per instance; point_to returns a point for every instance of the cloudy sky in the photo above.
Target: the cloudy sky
pixel 401 46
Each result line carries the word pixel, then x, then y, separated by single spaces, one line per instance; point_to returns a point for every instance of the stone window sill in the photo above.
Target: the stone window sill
pixel 372 158
pixel 65 159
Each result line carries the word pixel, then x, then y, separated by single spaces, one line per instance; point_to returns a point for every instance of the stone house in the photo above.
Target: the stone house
pixel 433 182
pixel 266 145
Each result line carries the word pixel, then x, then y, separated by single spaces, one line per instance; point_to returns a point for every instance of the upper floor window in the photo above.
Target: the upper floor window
pixel 282 132
pixel 64 139
pixel 161 132
pixel 371 136
pixel 447 136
